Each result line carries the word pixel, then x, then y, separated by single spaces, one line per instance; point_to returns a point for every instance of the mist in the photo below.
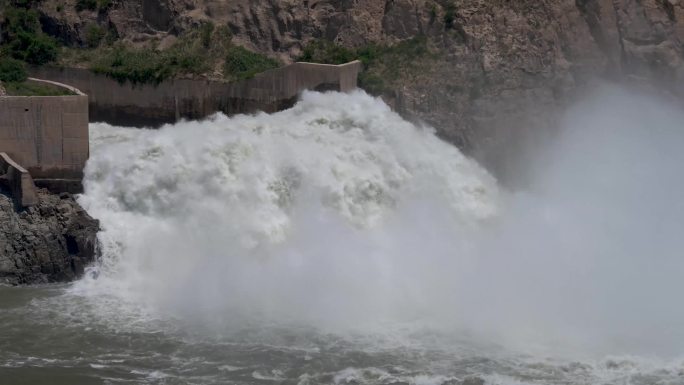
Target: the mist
pixel 355 221
pixel 588 255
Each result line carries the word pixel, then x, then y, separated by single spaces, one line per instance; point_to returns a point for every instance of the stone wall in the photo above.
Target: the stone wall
pixel 152 105
pixel 47 135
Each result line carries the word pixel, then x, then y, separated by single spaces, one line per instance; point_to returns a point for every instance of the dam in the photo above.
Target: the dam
pixel 152 105
pixel 44 139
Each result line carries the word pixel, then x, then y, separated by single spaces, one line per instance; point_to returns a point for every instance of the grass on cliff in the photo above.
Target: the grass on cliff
pixel 207 50
pixel 244 64
pixel 382 64
pixel 145 65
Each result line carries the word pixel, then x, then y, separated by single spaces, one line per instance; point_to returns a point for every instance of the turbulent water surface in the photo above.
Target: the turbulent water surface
pixel 335 243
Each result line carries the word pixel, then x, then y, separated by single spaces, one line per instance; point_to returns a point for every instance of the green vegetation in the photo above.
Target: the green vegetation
pixel 94 35
pixel 327 52
pixel 34 89
pixel 207 50
pixel 146 65
pixel 380 62
pixel 244 64
pixel 25 40
pixel 12 70
pixel 198 52
pixel 13 78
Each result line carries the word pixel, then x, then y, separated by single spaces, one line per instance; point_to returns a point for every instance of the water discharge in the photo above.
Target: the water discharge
pixel 336 242
pixel 318 215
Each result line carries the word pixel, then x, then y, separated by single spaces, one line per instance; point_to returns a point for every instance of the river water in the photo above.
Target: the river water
pixel 336 243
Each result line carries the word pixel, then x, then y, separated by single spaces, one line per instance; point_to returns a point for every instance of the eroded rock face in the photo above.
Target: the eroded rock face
pixel 502 69
pixel 50 242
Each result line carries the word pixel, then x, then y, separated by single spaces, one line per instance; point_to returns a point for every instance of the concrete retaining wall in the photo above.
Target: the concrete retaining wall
pixel 47 135
pixel 44 142
pixel 152 105
pixel 18 181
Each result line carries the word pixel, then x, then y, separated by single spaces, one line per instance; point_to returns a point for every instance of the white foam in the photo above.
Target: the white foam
pixel 291 216
pixel 339 214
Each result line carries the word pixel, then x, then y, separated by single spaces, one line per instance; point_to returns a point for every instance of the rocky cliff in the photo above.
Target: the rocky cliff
pixel 50 242
pixel 491 77
pixel 498 69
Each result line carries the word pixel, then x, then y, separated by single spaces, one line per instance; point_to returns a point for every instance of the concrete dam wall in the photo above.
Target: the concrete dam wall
pixel 47 135
pixel 43 139
pixel 153 105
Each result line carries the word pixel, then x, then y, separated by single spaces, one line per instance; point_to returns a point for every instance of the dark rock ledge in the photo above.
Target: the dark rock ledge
pixel 50 242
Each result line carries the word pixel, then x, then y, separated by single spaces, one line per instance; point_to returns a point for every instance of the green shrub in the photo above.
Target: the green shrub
pixel 33 48
pixel 43 49
pixel 147 65
pixel 327 52
pixel 19 20
pixel 94 35
pixel 136 66
pixel 244 64
pixel 12 70
pixel 374 84
pixel 370 53
pixel 26 41
pixel 409 49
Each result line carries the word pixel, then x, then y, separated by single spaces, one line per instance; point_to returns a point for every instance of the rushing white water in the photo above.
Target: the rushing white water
pixel 340 215
pixel 334 212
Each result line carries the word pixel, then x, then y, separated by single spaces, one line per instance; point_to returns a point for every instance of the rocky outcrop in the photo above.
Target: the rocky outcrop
pixel 50 242
pixel 500 70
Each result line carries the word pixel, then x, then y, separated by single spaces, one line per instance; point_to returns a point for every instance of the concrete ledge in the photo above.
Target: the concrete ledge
pixel 18 181
pixel 47 135
pixel 56 84
pixel 152 105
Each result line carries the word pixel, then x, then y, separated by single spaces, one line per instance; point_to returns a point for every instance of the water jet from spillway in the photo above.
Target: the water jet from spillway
pixel 340 215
